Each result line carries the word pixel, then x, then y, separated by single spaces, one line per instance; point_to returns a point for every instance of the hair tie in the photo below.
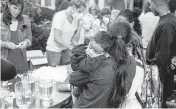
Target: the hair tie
pixel 119 37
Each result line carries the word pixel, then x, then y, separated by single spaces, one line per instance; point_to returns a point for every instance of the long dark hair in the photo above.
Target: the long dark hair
pixel 7 17
pixel 132 16
pixel 115 42
pixel 120 31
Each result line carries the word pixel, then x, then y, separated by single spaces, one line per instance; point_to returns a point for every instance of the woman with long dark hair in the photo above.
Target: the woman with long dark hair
pixel 131 81
pixel 106 85
pixel 16 35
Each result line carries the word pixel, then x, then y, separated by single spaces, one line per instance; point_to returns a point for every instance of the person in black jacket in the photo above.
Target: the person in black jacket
pixel 8 70
pixel 161 48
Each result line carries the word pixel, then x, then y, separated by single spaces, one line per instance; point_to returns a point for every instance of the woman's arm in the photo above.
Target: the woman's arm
pixel 58 38
pixel 78 79
pixel 29 32
pixel 89 64
pixel 58 24
pixel 28 39
pixel 76 37
pixel 95 26
pixel 82 62
pixel 8 45
pixel 137 81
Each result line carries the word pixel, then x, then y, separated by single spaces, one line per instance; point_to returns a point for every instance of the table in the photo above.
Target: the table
pixel 38 103
pixel 57 97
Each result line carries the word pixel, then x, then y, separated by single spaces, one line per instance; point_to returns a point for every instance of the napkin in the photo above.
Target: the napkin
pixel 58 74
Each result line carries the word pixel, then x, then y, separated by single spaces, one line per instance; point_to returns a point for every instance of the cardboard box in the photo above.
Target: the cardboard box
pixel 36 59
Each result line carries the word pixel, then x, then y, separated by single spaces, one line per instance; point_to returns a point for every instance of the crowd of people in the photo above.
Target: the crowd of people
pixel 108 49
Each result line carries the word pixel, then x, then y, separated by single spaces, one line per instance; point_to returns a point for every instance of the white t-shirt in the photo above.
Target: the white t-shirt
pixel 60 22
pixel 148 22
pixel 14 26
pixel 101 27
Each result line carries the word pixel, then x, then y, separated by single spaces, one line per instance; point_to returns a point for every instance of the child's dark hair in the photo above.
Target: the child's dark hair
pixel 121 30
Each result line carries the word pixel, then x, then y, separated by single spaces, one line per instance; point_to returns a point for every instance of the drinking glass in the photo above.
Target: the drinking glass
pixel 23 94
pixel 45 89
pixel 30 80
pixel 5 94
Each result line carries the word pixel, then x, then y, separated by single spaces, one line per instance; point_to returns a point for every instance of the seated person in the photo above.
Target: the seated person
pixel 8 70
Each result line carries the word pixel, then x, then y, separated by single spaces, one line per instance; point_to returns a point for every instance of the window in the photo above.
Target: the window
pixel 138 3
pixel 47 2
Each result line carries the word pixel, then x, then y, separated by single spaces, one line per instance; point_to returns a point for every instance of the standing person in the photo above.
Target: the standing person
pixel 161 48
pixel 16 35
pixel 86 32
pixel 114 15
pixel 101 24
pixel 172 7
pixel 64 5
pixel 94 11
pixel 64 25
pixel 148 22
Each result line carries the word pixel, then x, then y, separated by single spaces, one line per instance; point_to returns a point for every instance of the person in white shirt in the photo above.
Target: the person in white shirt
pixel 64 25
pixel 114 15
pixel 101 24
pixel 149 22
pixel 94 11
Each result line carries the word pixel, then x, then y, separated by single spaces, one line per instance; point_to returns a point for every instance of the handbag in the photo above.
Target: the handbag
pixel 152 87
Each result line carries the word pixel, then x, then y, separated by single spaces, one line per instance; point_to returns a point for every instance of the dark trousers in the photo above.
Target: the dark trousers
pixel 167 79
pixel 168 83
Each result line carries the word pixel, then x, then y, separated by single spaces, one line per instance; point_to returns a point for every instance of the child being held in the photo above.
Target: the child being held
pixel 83 61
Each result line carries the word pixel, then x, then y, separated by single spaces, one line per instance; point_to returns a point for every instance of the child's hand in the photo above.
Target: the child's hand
pixel 173 63
pixel 107 55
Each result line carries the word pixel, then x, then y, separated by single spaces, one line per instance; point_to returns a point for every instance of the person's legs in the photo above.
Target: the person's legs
pixel 53 58
pixel 167 80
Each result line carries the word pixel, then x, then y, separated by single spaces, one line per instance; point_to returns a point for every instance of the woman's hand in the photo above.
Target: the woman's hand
pixel 81 23
pixel 23 44
pixel 11 45
pixel 173 63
